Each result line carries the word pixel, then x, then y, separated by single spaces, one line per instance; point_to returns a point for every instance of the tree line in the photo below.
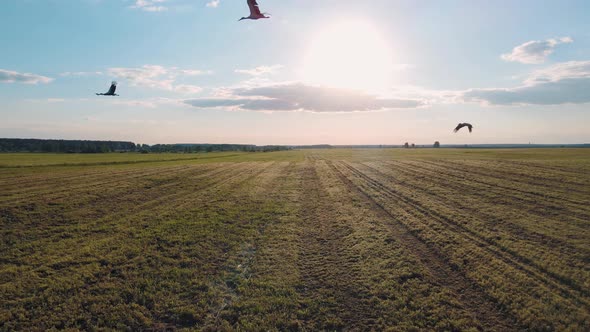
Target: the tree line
pixel 195 148
pixel 63 146
pixel 83 146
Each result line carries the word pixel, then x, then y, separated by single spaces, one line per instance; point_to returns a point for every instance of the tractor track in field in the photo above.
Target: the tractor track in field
pixel 442 182
pixel 87 184
pixel 95 177
pixel 570 292
pixel 568 282
pixel 220 176
pixel 482 306
pixel 59 178
pixel 323 263
pixel 535 180
pixel 476 178
pixel 165 183
pixel 93 186
pixel 246 257
pixel 469 170
pixel 531 198
pixel 113 163
pixel 545 168
pixel 486 218
pixel 146 208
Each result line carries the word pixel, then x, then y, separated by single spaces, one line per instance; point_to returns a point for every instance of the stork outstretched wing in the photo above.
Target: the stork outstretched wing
pixel 112 89
pixel 254 8
pixel 461 125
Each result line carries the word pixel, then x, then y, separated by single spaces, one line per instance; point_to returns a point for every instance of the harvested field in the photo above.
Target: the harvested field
pixel 343 239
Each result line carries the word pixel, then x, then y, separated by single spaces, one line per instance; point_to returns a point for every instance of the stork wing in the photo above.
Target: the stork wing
pixel 459 126
pixel 112 90
pixel 470 127
pixel 254 9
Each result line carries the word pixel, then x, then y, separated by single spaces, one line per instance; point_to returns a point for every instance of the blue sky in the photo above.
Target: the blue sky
pixel 340 72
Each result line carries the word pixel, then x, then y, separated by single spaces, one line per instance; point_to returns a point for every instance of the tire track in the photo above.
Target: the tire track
pixel 568 289
pixel 531 198
pixel 471 295
pixel 49 178
pixel 147 209
pixel 149 206
pixel 485 218
pixel 488 174
pixel 546 168
pixel 536 180
pixel 74 190
pixel 245 258
pixel 323 265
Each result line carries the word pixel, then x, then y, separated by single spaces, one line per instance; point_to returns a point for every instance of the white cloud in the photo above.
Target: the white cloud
pixel 8 76
pixel 563 83
pixel 430 96
pixel 301 97
pixel 535 51
pixel 80 73
pixel 402 66
pixel 149 5
pixel 151 76
pixel 195 72
pixel 47 100
pixel 187 89
pixel 260 70
pixel 560 71
pixel 146 103
pixel 157 77
pixel 136 103
pixel 213 3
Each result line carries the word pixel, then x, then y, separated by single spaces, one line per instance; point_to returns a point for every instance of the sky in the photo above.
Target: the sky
pixel 316 72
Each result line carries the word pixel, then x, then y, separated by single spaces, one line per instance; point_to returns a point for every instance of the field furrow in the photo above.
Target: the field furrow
pixel 551 168
pixel 549 181
pixel 310 240
pixel 99 223
pixel 552 206
pixel 487 233
pixel 449 236
pixel 504 229
pixel 488 203
pixel 471 296
pixel 85 186
pixel 325 264
pixel 570 195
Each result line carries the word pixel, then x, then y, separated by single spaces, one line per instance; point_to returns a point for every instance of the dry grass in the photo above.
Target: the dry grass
pixel 304 240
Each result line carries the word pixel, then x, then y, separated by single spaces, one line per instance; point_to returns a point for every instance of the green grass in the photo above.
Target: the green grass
pixel 541 154
pixel 76 159
pixel 381 239
pixel 57 159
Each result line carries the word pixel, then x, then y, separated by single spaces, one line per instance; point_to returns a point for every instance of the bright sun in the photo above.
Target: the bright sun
pixel 349 54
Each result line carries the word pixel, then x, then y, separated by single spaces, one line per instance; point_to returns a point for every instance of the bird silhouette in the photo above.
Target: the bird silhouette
pixel 461 125
pixel 255 13
pixel 111 91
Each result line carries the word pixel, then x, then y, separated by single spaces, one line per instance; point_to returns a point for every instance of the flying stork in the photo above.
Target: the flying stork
pixel 461 125
pixel 111 91
pixel 255 13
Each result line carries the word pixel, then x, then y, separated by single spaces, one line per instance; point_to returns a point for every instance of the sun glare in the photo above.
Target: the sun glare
pixel 349 54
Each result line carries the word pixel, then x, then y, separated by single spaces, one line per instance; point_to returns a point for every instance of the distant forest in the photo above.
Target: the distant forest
pixel 79 146
pixel 192 148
